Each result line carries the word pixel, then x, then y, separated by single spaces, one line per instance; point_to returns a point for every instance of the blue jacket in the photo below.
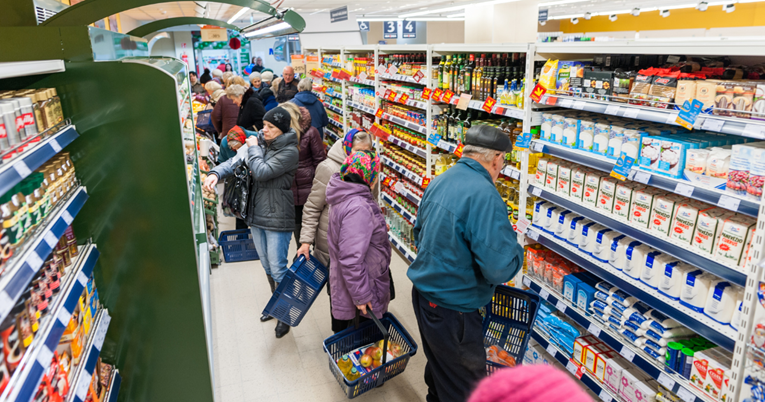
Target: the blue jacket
pixel 309 101
pixel 465 242
pixel 227 153
pixel 267 97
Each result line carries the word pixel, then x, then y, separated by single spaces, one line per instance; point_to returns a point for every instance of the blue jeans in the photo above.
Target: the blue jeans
pixel 272 249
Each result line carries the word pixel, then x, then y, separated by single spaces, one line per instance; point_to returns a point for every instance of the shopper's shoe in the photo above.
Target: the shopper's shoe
pixel 266 317
pixel 281 329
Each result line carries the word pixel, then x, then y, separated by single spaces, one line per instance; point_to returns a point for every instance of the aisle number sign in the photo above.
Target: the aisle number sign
pixel 390 30
pixel 410 29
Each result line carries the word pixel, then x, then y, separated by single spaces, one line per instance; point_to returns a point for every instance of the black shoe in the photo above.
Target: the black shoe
pixel 281 329
pixel 265 317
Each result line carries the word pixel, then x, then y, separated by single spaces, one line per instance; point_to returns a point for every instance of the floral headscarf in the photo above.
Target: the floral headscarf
pixel 363 163
pixel 348 140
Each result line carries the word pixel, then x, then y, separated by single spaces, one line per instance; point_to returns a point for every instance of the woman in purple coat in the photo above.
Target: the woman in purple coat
pixel 359 251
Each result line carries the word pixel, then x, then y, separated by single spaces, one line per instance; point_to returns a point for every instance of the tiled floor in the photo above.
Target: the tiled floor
pixel 252 365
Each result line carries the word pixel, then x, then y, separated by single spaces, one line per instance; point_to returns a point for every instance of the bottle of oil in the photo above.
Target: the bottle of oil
pixel 353 375
pixel 446 75
pixel 345 365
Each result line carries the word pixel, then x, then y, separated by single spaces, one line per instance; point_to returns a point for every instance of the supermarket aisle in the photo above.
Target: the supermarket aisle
pixel 252 365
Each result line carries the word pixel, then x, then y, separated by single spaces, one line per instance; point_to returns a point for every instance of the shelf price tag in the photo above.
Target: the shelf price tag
pixel 426 93
pixel 632 113
pixel 612 110
pixel 712 124
pixel 34 261
pixel 552 100
pixel 464 101
pixel 488 104
pixel 754 130
pixel 533 235
pixel 627 353
pixel 560 306
pixel 728 202
pixel 642 177
pixel 579 105
pixel 544 294
pixel 672 118
pixel 56 147
pixel 605 396
pixel 22 169
pixel 686 395
pixel 458 151
pixel 362 76
pixel 50 239
pixel 526 281
pixel 684 189
pixel 536 191
pixel 403 98
pixel 537 93
pixel 594 329
pixel 447 96
pixel 666 381
pixel 551 350
pixel 571 367
pixel 622 167
pixel 418 76
pixel 522 225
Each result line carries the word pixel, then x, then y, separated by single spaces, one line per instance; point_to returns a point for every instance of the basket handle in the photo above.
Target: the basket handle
pixel 386 334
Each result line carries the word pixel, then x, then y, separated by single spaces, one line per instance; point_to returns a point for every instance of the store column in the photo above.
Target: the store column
pixel 513 22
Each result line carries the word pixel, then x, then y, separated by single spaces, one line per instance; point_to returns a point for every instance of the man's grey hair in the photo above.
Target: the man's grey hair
pixel 306 84
pixel 480 154
pixel 362 138
pixel 255 76
pixel 235 91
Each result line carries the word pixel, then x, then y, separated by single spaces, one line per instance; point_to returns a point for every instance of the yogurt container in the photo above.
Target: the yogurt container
pixel 586 135
pixel 600 140
pixel 570 132
pixel 557 128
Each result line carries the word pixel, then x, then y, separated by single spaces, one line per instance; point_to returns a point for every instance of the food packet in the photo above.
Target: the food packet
pixel 639 94
pixel 663 88
pixel 623 81
pixel 547 76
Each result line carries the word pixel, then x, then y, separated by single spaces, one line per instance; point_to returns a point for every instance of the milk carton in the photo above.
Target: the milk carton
pixel 606 195
pixel 733 236
pixel 564 179
pixel 540 177
pixel 661 214
pixel 708 227
pixel 551 181
pixel 591 188
pixel 684 222
pixel 623 200
pixel 578 176
pixel 642 205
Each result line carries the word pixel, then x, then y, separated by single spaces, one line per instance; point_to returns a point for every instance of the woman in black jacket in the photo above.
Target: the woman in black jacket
pixel 251 110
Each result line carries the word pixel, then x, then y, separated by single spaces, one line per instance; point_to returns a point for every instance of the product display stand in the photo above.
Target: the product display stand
pixel 85 370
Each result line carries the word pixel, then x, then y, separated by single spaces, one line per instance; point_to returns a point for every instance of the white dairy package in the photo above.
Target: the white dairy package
pixel 709 224
pixel 591 188
pixel 623 199
pixel 642 205
pixel 655 265
pixel 606 195
pixel 671 284
pixel 721 301
pixel 619 248
pixel 684 222
pixel 695 290
pixel 578 176
pixel 734 236
pixel 636 259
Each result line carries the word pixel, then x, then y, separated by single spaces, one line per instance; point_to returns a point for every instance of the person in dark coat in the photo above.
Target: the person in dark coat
pixel 251 109
pixel 225 113
pixel 205 76
pixel 311 154
pixel 305 98
pixel 287 87
pixel 267 97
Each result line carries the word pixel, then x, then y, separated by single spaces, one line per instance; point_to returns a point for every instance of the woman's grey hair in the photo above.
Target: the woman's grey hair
pixel 212 86
pixel 362 138
pixel 306 84
pixel 480 154
pixel 255 76
pixel 217 73
pixel 235 91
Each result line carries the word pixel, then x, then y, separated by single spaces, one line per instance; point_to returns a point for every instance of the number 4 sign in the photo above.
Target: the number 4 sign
pixel 409 29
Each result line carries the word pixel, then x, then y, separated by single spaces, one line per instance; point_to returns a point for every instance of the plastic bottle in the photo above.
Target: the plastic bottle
pixel 345 365
pixel 353 375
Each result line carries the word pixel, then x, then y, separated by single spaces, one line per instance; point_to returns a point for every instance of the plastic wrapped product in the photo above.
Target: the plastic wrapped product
pixel 636 259
pixel 600 141
pixel 565 226
pixel 735 322
pixel 740 166
pixel 557 128
pixel 695 290
pixel 586 135
pixel 575 229
pixel 600 295
pixel 623 298
pixel 548 217
pixel 583 229
pixel 602 250
pixel 540 210
pixel 590 237
pixel 671 283
pixel 721 301
pixel 546 129
pixel 606 287
pixel 718 163
pixel 655 266
pixel 619 248
pixel 552 222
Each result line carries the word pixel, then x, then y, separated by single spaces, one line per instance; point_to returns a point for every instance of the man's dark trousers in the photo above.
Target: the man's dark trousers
pixel 453 344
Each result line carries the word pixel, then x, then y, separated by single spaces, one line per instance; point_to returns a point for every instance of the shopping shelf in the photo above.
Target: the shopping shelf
pixel 84 374
pixel 507 111
pixel 593 384
pixel 30 258
pixel 660 372
pixel 721 334
pixel 335 123
pixel 408 124
pixel 404 78
pixel 680 186
pixel 332 63
pixel 25 68
pixel 404 171
pixel 511 172
pixel 114 387
pixel 726 125
pixel 331 134
pixel 404 192
pixel 14 171
pixel 399 245
pixel 409 147
pixel 399 208
pixel 36 361
pixel 361 107
pixel 371 83
pixel 664 244
pixel 447 146
pixel 333 108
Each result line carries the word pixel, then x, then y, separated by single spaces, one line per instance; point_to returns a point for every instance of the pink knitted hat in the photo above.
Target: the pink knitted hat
pixel 533 383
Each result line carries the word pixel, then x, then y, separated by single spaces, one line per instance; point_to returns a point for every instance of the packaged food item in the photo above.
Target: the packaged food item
pixel 614 367
pixel 756 178
pixel 623 199
pixel 546 127
pixel 551 181
pixel 597 84
pixel 696 160
pixel 662 213
pixel 758 103
pixel 591 187
pixel 672 157
pixel 587 135
pixel 631 144
pixel 541 173
pixel 619 249
pixel 603 243
pixel 650 151
pixel 724 98
pixel 564 179
pixel 636 259
pixel 623 81
pixel 540 210
pixel 663 88
pixel 684 221
pixel 575 236
pixel 721 301
pixel 642 205
pixel 641 87
pixel 655 265
pixel 548 75
pixel 606 194
pixel 578 176
pixel 671 283
pixel 686 89
pixel 708 227
pixel 740 165
pixel 570 132
pixel 615 140
pixel 558 124
pixel 589 237
pixel 733 239
pixel 600 141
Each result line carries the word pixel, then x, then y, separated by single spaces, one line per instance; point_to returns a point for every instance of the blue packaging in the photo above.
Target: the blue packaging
pixel 585 294
pixel 602 296
pixel 604 286
pixel 652 353
pixel 570 283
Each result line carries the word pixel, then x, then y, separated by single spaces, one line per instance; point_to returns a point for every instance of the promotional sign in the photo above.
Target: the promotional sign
pixel 390 29
pixel 488 104
pixel 214 34
pixel 688 114
pixel 409 29
pixel 523 141
pixel 537 93
pixel 338 14
pixel 622 168
pixel 363 26
pixel 426 93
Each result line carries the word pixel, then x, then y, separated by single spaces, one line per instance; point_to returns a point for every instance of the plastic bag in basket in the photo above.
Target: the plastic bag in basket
pixel 496 354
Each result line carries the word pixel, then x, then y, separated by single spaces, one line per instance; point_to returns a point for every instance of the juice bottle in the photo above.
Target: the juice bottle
pixel 345 365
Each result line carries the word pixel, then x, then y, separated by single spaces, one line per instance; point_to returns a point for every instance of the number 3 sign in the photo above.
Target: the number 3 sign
pixel 391 30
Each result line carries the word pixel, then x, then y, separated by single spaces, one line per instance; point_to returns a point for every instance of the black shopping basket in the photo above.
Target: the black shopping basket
pixel 509 318
pixel 386 329
pixel 297 291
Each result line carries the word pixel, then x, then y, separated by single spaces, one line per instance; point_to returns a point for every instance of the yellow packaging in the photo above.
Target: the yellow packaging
pixel 547 78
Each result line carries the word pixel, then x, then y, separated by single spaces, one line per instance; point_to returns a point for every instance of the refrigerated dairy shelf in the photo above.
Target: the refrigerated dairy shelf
pixel 28 261
pixel 593 384
pixel 84 374
pixel 411 218
pixel 399 245
pixel 664 244
pixel 18 168
pixel 36 361
pixel 726 125
pixel 658 371
pixel 698 191
pixel 404 171
pixel 721 334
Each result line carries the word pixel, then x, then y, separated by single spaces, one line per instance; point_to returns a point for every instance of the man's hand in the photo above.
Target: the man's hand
pixel 304 250
pixel 364 307
pixel 252 141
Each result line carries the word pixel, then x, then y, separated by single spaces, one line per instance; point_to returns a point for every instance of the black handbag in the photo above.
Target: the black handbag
pixel 236 195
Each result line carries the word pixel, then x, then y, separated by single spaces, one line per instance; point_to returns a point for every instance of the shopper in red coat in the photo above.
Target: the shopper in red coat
pixel 224 116
pixel 311 154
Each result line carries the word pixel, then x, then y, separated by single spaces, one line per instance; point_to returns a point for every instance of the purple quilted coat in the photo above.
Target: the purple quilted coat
pixel 311 154
pixel 359 251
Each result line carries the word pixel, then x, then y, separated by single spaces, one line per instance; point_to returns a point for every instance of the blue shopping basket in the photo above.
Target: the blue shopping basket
pixel 204 122
pixel 237 245
pixel 297 291
pixel 387 329
pixel 509 318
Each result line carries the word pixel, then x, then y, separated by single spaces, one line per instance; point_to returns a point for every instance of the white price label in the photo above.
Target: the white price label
pixel 54 144
pixel 605 396
pixel 67 217
pixel 667 382
pixel 754 130
pixel 537 147
pixel 44 356
pixel 101 334
pixel 50 239
pixel 684 189
pixel 612 110
pixel 514 174
pixel 551 350
pixel 34 261
pixel 594 329
pixel 579 105
pixel 82 278
pixel 526 281
pixel 533 235
pixel 22 169
pixel 522 225
pixel 564 102
pixel 6 304
pixel 536 191
pixel 671 118
pixel 560 306
pixel 571 367
pixel 686 395
pixel 632 113
pixel 642 177
pixel 728 202
pixel 712 124
pixel 544 294
pixel 627 353
pixel 363 76
pixel 83 385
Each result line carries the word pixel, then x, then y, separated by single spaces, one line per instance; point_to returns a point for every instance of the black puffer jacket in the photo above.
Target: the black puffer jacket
pixel 273 168
pixel 311 154
pixel 251 111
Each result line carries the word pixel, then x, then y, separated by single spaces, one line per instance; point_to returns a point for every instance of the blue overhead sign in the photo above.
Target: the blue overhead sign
pixel 390 30
pixel 409 29
pixel 363 26
pixel 543 15
pixel 338 14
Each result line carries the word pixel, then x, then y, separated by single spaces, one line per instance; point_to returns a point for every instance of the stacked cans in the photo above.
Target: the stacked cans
pixel 25 114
